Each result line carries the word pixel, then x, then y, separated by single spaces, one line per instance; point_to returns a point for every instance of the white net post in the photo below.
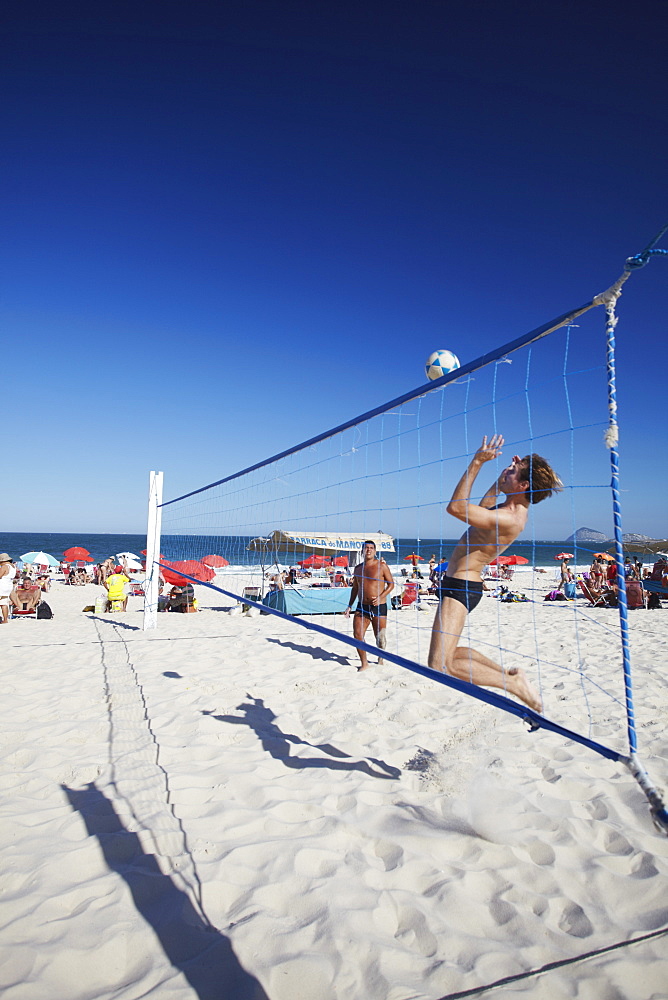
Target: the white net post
pixel 152 583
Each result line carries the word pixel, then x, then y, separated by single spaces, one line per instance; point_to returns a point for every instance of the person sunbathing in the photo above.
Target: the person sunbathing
pixel 26 595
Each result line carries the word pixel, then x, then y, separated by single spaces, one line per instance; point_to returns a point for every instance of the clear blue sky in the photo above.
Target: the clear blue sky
pixel 228 227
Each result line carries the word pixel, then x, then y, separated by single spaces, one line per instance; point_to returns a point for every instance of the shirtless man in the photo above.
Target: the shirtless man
pixel 26 595
pixel 492 528
pixel 372 582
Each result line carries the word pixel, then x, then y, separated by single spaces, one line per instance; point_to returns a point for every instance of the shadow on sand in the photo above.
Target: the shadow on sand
pixel 277 743
pixel 114 621
pixel 315 651
pixel 198 950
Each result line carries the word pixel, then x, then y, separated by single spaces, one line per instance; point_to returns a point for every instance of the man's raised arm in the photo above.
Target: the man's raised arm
pixel 460 506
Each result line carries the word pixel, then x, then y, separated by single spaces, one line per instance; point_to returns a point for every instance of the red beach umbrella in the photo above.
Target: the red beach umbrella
pixel 341 561
pixel 77 554
pixel 214 561
pixel 509 561
pixel 565 555
pixel 316 562
pixel 190 566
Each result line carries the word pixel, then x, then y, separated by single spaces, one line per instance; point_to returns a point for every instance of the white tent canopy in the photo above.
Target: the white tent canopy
pixel 322 543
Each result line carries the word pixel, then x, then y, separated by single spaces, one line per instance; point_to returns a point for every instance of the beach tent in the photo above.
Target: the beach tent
pixel 328 543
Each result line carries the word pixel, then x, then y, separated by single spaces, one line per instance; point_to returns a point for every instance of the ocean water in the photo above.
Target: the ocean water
pixel 234 548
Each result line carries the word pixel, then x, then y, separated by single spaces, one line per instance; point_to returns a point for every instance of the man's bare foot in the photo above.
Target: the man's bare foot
pixel 380 661
pixel 524 690
pixel 363 666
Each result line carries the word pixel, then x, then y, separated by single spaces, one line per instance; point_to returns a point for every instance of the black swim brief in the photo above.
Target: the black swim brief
pixel 371 610
pixel 467 592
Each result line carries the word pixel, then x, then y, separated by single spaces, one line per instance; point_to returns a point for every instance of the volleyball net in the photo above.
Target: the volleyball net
pixel 283 536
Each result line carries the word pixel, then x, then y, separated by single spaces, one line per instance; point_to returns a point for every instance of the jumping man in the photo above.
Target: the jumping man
pixel 372 582
pixel 492 528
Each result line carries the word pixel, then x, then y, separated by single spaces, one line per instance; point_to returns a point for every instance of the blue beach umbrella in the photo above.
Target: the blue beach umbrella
pixel 41 558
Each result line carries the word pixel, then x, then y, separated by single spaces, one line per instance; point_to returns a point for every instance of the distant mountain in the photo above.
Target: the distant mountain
pixel 587 535
pixel 591 535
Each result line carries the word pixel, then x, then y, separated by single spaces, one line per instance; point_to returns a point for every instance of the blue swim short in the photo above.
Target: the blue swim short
pixel 371 610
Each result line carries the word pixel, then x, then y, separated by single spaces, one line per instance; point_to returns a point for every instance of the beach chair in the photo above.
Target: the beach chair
pixel 656 592
pixel 251 594
pixel 594 601
pixel 409 594
pixel 15 613
pixel 635 595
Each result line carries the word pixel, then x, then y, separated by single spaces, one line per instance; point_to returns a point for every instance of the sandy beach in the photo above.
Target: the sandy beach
pixel 225 808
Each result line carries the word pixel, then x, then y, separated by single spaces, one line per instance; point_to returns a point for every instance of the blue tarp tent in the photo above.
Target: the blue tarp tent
pixel 309 600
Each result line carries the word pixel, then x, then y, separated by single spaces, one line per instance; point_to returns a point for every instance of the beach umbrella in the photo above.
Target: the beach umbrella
pixel 132 565
pixel 341 561
pixel 605 555
pixel 40 558
pixel 413 557
pixel 127 555
pixel 214 561
pixel 316 562
pixel 441 568
pixel 77 554
pixel 565 555
pixel 189 566
pixel 509 561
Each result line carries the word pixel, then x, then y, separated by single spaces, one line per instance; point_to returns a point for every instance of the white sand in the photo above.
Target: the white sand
pixel 225 807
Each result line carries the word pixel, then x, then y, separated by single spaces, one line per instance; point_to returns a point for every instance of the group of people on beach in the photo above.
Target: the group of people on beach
pixel 79 576
pixel 279 580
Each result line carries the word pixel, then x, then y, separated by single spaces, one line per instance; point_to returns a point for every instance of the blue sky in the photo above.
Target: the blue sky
pixel 230 227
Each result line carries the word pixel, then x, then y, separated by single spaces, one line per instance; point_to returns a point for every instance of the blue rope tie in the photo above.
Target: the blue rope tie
pixel 640 259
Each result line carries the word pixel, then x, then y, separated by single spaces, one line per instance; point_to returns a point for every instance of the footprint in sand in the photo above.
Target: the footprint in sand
pixel 615 843
pixel 597 809
pixel 312 863
pixel 541 853
pixel 574 921
pixel 501 911
pixel 643 866
pixel 412 930
pixel 389 854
